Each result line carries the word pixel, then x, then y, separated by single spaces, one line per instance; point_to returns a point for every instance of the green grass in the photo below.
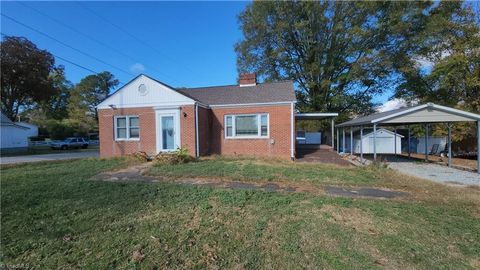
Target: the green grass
pixel 41 150
pixel 249 169
pixel 178 226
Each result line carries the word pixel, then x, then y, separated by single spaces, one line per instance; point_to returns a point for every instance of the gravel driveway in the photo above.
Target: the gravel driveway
pixel 47 157
pixel 437 173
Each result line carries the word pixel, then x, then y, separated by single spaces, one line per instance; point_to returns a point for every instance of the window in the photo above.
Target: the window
pixel 246 126
pixel 127 127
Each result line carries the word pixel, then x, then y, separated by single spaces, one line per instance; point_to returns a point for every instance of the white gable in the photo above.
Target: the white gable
pixel 383 133
pixel 429 115
pixel 145 92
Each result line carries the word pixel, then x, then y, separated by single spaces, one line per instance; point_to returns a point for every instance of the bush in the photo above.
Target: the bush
pixel 178 157
pixel 140 156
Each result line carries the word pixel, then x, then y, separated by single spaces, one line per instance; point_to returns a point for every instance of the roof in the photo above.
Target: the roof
pixel 234 94
pixel 314 116
pixel 383 130
pixel 5 121
pixel 425 113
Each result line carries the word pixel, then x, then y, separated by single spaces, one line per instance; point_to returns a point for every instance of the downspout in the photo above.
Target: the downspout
pixel 197 146
pixel 292 131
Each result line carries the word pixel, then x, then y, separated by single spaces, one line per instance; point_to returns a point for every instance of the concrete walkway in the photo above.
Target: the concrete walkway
pixel 437 173
pixel 47 157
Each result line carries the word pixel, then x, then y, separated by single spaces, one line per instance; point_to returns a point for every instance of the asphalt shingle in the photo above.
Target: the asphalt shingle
pixel 235 94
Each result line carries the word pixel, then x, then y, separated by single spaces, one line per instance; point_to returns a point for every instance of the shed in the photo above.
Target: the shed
pixel 385 142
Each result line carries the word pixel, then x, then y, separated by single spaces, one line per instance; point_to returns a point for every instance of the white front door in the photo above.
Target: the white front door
pixel 168 130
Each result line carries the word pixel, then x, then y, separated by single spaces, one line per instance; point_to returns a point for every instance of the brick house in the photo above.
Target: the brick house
pixel 245 119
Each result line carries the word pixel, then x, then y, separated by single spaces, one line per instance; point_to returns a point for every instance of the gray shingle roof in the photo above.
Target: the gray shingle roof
pixel 234 94
pixel 5 120
pixel 369 118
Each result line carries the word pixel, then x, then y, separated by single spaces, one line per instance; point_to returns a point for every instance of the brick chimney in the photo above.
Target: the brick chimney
pixel 249 79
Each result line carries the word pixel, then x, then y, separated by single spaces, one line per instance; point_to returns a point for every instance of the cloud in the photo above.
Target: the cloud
pixel 393 104
pixel 137 68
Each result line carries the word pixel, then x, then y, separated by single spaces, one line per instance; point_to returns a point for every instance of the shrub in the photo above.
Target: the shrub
pixel 178 157
pixel 140 156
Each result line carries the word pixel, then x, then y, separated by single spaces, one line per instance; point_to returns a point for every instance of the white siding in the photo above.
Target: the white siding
pixel 428 115
pixel 157 95
pixel 384 139
pixel 13 137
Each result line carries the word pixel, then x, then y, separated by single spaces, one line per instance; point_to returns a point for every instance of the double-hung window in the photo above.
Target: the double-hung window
pixel 246 126
pixel 127 128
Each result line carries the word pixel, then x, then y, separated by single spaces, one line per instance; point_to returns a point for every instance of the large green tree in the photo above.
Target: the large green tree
pixel 441 61
pixel 334 51
pixel 86 95
pixel 25 75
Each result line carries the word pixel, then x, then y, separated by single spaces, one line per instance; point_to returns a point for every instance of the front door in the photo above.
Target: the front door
pixel 168 132
pixel 168 137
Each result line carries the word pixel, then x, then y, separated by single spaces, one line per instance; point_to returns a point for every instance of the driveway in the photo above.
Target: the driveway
pixel 437 173
pixel 47 157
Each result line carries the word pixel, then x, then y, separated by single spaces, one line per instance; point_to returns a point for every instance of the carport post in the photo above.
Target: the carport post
pixel 361 144
pixel 426 142
pixel 449 141
pixel 333 132
pixel 395 141
pixel 408 141
pixel 338 140
pixel 351 141
pixel 374 142
pixel 478 146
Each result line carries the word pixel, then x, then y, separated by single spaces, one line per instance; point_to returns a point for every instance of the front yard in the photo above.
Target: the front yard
pixel 54 216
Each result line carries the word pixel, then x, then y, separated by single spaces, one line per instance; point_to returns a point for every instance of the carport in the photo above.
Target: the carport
pixel 320 116
pixel 425 115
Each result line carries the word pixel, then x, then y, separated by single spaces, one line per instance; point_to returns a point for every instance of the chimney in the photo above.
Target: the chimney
pixel 249 79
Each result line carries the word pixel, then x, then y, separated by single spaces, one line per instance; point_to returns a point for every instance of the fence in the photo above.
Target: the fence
pixel 47 143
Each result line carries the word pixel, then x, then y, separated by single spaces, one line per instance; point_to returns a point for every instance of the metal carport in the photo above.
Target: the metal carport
pixel 422 114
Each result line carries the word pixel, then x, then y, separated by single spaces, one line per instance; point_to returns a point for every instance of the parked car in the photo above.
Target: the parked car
pixel 69 143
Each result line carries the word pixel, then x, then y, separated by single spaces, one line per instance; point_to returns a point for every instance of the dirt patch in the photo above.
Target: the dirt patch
pixel 365 192
pixel 137 174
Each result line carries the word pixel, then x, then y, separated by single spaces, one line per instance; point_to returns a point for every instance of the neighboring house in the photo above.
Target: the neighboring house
pixel 245 119
pixel 14 135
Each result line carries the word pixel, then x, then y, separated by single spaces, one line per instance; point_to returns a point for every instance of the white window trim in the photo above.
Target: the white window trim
pixel 127 126
pixel 240 137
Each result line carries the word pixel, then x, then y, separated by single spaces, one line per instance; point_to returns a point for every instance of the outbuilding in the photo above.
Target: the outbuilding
pixel 14 135
pixel 386 141
pixel 424 114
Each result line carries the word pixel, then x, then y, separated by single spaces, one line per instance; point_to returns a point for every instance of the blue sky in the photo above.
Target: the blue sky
pixel 187 44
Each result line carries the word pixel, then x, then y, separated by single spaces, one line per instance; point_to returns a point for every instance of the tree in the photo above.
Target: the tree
pixel 25 75
pixel 336 52
pixel 86 95
pixel 440 62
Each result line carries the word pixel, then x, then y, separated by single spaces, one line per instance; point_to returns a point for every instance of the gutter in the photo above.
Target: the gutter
pixel 197 146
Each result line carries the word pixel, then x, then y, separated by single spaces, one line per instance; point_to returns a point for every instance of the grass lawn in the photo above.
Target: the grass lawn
pixel 41 150
pixel 53 216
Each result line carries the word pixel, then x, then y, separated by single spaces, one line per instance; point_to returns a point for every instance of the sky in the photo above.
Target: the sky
pixel 183 44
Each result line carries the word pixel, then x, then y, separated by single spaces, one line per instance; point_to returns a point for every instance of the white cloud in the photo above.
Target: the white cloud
pixel 393 104
pixel 137 68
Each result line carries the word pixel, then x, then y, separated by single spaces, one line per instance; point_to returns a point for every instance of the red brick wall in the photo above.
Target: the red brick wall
pixel 279 131
pixel 109 147
pixel 187 129
pixel 204 130
pixel 147 143
pixel 211 132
